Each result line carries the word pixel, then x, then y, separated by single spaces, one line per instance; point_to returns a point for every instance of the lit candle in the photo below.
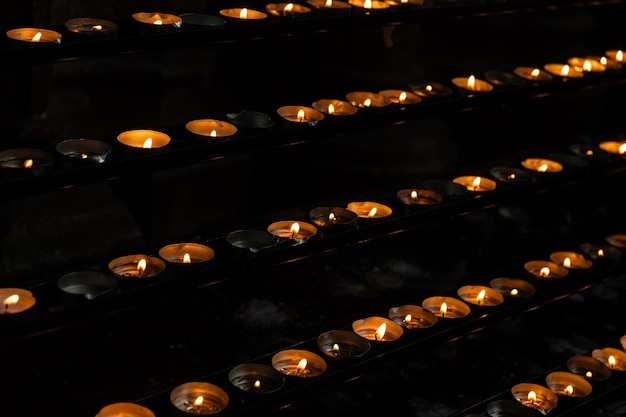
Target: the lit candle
pixel 588 367
pixel 256 378
pixel 292 230
pixel 125 410
pixel 533 74
pixel 510 174
pixel 144 139
pixel 476 183
pixel 25 162
pixel 243 14
pixel 446 307
pixel 15 300
pixel 84 151
pixel 378 329
pixel 367 5
pixel 136 266
pixel 418 197
pixel 342 344
pixel 568 384
pixel 563 70
pixel 545 269
pixel 300 114
pixel 199 398
pixel 472 83
pixel 91 27
pixel 614 359
pixel 571 260
pixel 211 128
pixel 335 107
pixel 336 6
pixel 333 217
pixel 159 20
pixel 599 252
pixel 542 165
pixel 412 317
pixel 512 287
pixel 299 363
pixel 191 254
pixel 287 9
pixel 369 209
pixel 401 96
pixel 364 99
pixel 614 147
pixel 430 89
pixel 586 64
pixel 535 396
pixel 35 36
pixel 480 295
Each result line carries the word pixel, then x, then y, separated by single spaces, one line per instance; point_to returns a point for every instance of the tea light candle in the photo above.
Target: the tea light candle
pixel 299 363
pixel 571 260
pixel 136 266
pixel 293 230
pixel 432 89
pixel 446 307
pixel 342 344
pixel 616 55
pixel 563 70
pixel 125 410
pixel 510 174
pixel 418 197
pixel 542 165
pixel 253 240
pixel 378 329
pixel 144 139
pixel 333 217
pixel 256 378
pixel 617 239
pixel 24 161
pixel 535 396
pixel 476 183
pixel 599 252
pixel 472 84
pixel 588 367
pixel 91 27
pixel 334 107
pixel 568 384
pixel 480 295
pixel 412 317
pixel 84 151
pixel 35 36
pixel 287 9
pixel 586 64
pixel 164 20
pixel 192 254
pixel 513 287
pixel 300 115
pixel 88 284
pixel 612 358
pixel 199 398
pixel 397 3
pixel 533 74
pixel 15 300
pixel 588 151
pixel 243 14
pixel 369 4
pixel 609 64
pixel 330 5
pixel 401 96
pixel 364 99
pixel 545 269
pixel 613 147
pixel 369 209
pixel 211 128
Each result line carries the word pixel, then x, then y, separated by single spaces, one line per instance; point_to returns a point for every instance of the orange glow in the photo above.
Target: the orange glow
pixel 544 272
pixel 11 300
pixel 331 108
pixel 300 112
pixel 367 4
pixel 619 56
pixel 480 297
pixel 37 37
pixel 443 309
pixel 147 144
pixel 295 228
pixel 569 390
pixel 380 332
pixel 141 266
pixel 243 14
pixel 612 362
pixel 402 97
pixel 288 8
pixel 159 22
pixel 471 82
pixel 186 258
pixel 622 149
pixel 372 212
pixel 28 163
pixel 329 3
pixel 565 70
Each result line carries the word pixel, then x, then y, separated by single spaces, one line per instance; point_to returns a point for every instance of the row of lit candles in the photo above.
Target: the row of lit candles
pixel 202 398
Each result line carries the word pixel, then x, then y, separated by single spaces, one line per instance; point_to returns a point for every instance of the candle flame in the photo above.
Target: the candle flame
pixel 622 149
pixel 83 156
pixel 443 309
pixel 331 108
pixel 532 396
pixel 565 70
pixel 511 176
pixel 329 3
pixel 535 72
pixel 600 252
pixel 471 82
pixel 429 88
pixel 28 163
pixel 476 183
pixel 372 212
pixel 332 218
pixel 414 196
pixel 186 258
pixel 147 144
pixel 567 262
pixel 288 8
pixel 408 318
pixel 612 362
pixel 11 300
pixel 589 374
pixel 243 14
pixel 402 97
pixel 96 28
pixel 544 272
pixel 159 22
pixel 335 347
pixel 619 56
pixel 367 4
pixel 380 332
pixel 213 133
pixel 481 296
pixel 295 228
pixel 587 66
pixel 141 266
pixel 300 115
pixel 198 401
pixel 589 152
pixel 514 292
pixel 569 390
pixel 367 102
pixel 257 384
pixel 543 168
pixel 302 365
pixel 37 37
